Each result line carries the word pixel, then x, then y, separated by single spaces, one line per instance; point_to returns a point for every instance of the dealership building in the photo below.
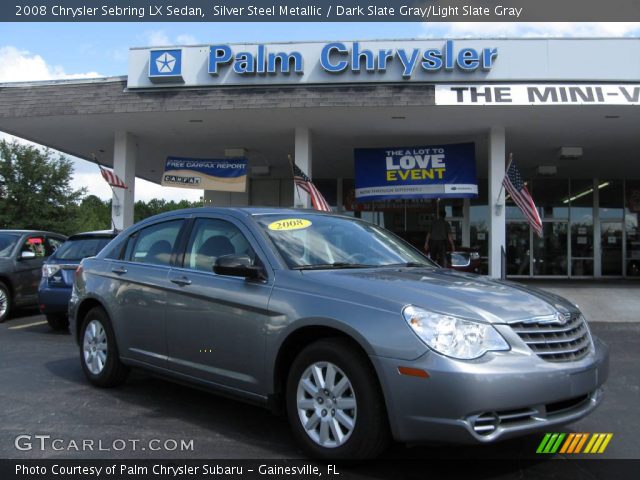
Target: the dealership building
pixel 568 110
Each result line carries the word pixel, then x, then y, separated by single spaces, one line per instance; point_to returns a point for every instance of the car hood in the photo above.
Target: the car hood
pixel 444 291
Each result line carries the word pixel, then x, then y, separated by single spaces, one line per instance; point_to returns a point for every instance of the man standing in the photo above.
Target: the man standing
pixel 438 238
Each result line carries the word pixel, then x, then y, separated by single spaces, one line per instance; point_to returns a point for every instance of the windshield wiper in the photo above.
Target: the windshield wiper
pixel 336 265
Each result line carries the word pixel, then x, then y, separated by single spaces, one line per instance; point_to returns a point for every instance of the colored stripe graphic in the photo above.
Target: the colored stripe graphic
pixel 573 443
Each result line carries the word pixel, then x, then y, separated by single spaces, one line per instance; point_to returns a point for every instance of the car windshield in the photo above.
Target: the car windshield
pixel 323 241
pixel 7 242
pixel 77 249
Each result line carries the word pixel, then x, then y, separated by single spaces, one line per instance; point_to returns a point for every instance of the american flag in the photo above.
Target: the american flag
pixel 514 184
pixel 111 178
pixel 301 180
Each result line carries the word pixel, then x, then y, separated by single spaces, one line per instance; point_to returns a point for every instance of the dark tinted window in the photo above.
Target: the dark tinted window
pixel 81 248
pixel 154 244
pixel 7 243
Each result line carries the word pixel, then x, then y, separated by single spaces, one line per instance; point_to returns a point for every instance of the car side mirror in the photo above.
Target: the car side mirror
pixel 27 255
pixel 237 266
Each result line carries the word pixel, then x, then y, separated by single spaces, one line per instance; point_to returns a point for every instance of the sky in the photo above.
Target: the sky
pixel 46 51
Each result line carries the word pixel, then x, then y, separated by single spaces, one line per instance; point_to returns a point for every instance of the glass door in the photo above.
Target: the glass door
pixel 611 247
pixel 518 249
pixel 550 253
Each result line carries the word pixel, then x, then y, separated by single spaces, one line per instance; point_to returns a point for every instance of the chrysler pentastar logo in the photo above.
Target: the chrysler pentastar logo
pixel 166 63
pixel 556 319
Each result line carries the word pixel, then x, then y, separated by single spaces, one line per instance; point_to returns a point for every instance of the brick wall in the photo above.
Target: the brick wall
pixel 111 97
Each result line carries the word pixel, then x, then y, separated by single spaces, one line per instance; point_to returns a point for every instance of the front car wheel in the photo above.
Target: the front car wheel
pixel 334 402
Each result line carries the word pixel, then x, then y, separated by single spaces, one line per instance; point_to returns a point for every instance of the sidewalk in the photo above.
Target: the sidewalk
pixel 599 300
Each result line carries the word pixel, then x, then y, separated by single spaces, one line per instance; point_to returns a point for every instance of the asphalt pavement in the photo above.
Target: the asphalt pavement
pixel 43 392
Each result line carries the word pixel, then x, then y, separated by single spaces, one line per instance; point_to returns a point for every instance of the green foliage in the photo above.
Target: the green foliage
pixel 35 189
pixel 36 193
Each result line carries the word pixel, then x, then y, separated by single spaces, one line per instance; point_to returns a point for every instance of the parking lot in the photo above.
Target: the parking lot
pixel 44 392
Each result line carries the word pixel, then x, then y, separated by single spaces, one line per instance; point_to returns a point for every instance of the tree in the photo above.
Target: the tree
pixel 93 214
pixel 35 189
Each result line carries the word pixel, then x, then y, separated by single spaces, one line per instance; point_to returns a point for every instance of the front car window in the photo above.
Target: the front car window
pixel 7 243
pixel 324 241
pixel 79 248
pixel 212 238
pixel 154 244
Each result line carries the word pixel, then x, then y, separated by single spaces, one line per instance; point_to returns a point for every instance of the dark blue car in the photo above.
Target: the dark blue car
pixel 59 270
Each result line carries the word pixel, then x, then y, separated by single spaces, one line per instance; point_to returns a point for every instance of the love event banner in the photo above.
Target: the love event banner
pixel 226 175
pixel 435 171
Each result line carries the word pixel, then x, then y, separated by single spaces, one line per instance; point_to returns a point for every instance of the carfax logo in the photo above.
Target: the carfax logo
pixel 574 443
pixel 165 65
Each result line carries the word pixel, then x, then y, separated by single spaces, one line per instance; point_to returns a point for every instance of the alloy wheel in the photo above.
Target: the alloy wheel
pixel 4 303
pixel 326 404
pixel 94 347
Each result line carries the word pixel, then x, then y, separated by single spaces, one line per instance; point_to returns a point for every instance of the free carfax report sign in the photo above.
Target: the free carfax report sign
pixel 436 171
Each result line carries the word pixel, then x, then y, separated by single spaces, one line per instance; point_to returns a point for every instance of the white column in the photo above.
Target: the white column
pixel 125 151
pixel 302 157
pixel 466 223
pixel 597 231
pixel 497 227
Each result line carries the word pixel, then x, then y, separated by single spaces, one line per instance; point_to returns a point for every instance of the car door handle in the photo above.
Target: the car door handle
pixel 119 270
pixel 182 281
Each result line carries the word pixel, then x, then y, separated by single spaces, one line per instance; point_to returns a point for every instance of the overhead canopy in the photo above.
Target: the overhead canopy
pixel 81 117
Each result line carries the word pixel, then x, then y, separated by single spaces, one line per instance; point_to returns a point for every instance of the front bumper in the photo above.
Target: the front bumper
pixel 499 396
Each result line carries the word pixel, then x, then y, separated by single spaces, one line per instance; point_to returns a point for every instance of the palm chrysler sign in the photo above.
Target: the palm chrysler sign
pixel 331 62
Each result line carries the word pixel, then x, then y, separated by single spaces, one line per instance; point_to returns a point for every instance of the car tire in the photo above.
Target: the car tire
pixel 99 354
pixel 5 302
pixel 58 322
pixel 360 432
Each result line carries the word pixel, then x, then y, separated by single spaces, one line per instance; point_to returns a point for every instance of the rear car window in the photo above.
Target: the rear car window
pixel 7 242
pixel 154 244
pixel 81 248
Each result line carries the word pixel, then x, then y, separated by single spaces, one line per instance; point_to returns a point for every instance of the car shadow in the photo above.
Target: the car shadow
pixel 158 400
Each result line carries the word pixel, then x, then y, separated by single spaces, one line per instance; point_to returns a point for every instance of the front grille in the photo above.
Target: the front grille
pixel 554 342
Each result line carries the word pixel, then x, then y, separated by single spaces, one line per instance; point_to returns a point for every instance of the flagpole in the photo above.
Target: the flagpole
pixel 113 222
pixel 293 176
pixel 503 177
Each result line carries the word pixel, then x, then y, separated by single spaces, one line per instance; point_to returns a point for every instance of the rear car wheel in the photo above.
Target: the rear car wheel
pixel 98 350
pixel 334 403
pixel 5 302
pixel 58 322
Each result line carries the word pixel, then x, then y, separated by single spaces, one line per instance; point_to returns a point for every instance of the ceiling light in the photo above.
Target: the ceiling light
pixel 570 152
pixel 398 118
pixel 586 192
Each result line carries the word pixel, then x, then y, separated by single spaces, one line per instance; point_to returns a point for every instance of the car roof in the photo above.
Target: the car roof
pixel 29 232
pixel 247 211
pixel 94 234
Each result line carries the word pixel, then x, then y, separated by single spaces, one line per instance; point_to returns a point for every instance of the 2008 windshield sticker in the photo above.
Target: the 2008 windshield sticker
pixel 290 224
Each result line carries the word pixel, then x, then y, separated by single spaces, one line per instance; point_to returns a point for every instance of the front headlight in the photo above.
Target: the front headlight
pixel 452 336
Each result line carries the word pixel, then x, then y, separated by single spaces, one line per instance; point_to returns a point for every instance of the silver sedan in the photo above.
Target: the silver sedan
pixel 352 332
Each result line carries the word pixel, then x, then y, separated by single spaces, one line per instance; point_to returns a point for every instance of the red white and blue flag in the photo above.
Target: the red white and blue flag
pixel 111 178
pixel 516 187
pixel 304 182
